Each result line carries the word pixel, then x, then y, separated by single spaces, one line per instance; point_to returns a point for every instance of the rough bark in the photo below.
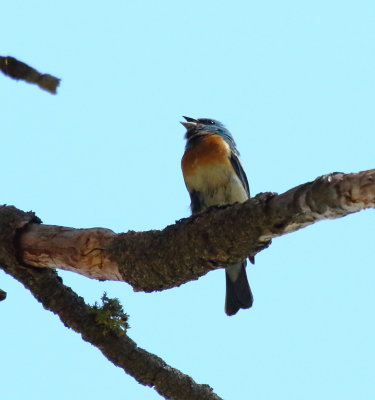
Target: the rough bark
pixel 16 69
pixel 158 260
pixel 48 288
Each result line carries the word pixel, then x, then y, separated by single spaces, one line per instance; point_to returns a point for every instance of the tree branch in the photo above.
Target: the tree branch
pixel 158 260
pixel 18 70
pixel 47 288
pixel 3 295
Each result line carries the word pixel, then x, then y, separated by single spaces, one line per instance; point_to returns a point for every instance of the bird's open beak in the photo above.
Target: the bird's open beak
pixel 191 122
pixel 188 119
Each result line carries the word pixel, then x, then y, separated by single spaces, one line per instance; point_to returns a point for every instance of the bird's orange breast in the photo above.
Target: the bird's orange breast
pixel 209 150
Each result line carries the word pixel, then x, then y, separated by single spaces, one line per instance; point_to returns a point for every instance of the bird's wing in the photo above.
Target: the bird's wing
pixel 196 203
pixel 237 166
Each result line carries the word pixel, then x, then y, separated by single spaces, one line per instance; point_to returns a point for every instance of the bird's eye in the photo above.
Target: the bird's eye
pixel 206 121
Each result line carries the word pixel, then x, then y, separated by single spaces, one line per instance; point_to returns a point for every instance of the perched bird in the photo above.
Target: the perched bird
pixel 214 175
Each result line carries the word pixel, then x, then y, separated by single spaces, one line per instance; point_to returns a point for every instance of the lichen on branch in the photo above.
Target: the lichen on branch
pixel 110 315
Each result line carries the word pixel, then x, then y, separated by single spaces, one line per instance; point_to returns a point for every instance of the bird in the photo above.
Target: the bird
pixel 213 176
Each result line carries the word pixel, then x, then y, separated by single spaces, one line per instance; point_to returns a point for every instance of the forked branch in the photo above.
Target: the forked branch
pixel 157 260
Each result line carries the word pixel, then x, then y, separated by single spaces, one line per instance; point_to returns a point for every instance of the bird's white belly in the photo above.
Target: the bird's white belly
pixel 217 185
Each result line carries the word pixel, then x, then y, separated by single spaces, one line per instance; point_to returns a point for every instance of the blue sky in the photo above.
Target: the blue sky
pixel 294 82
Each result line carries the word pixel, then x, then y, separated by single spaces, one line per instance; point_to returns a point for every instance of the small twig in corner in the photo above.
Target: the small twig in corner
pixel 3 295
pixel 18 70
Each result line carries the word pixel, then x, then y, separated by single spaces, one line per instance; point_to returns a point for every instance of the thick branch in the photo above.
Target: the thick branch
pixel 47 287
pixel 19 70
pixel 157 260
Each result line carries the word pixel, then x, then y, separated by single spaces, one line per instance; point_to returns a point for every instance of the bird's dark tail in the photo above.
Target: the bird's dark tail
pixel 238 292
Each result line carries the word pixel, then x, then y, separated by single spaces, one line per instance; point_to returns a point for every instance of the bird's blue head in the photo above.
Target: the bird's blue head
pixel 205 126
